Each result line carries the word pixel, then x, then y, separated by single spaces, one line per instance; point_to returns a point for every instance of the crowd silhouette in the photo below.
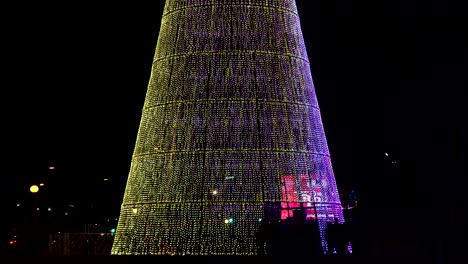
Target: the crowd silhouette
pixel 289 237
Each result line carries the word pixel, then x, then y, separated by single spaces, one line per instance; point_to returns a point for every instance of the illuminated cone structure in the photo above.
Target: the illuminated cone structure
pixel 230 135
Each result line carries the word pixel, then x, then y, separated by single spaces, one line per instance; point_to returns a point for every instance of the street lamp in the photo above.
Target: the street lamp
pixel 34 188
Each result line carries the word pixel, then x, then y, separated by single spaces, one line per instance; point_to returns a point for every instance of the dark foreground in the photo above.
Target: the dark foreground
pixel 230 259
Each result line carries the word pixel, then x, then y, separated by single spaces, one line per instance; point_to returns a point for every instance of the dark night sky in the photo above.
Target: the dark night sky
pixel 387 79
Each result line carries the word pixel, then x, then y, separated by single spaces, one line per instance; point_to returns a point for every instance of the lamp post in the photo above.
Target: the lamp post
pixel 36 231
pixel 32 221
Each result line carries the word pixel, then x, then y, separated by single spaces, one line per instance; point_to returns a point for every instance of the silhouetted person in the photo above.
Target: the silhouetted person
pixel 261 238
pixel 337 238
pixel 331 237
pixel 342 238
pixel 265 238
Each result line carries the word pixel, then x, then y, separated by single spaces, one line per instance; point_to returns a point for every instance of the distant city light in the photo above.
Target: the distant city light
pixel 106 179
pixel 41 184
pixel 51 168
pixel 37 209
pixel 386 154
pixel 49 209
pixel 231 220
pixel 135 210
pixel 215 192
pixel 226 221
pixel 66 213
pixel 260 219
pixel 18 204
pixel 34 188
pixel 112 230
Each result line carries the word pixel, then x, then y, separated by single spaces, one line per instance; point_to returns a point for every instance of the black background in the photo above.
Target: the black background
pixel 389 79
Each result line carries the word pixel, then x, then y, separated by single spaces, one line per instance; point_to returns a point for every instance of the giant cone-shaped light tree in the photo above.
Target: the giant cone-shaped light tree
pixel 230 135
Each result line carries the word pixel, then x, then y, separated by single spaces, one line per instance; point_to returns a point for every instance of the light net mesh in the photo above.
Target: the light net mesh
pixel 230 133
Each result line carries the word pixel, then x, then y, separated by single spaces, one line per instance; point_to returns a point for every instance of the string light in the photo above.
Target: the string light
pixel 230 134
